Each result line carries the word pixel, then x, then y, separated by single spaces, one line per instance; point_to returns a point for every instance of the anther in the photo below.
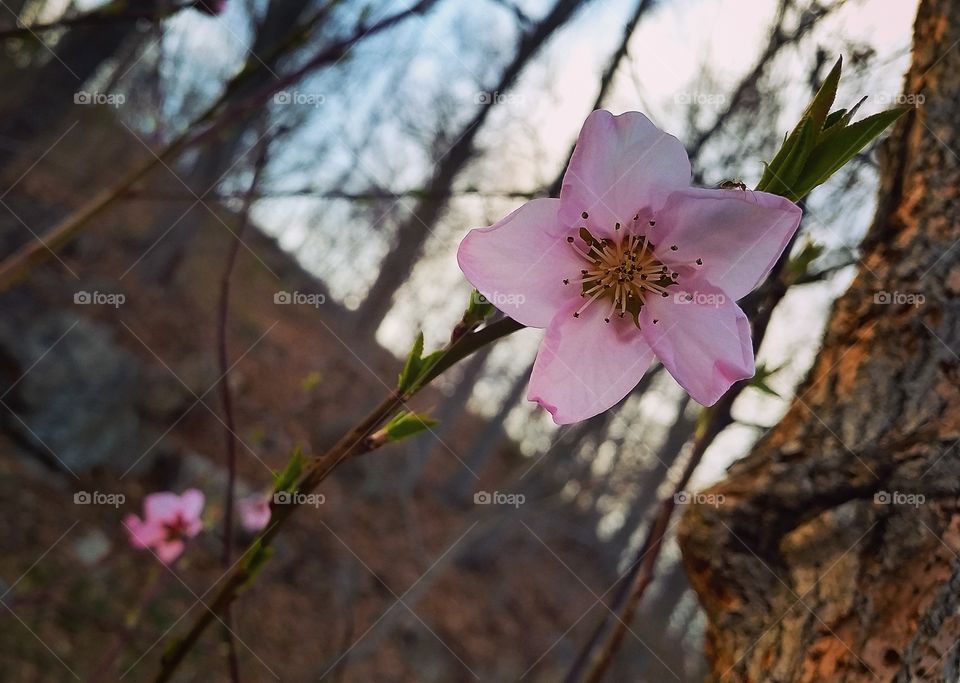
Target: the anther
pixel 570 240
pixel 699 261
pixel 673 247
pixel 584 215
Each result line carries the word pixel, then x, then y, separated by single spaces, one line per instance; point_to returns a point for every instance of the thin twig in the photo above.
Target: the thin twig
pixel 227 399
pixel 317 193
pixel 354 443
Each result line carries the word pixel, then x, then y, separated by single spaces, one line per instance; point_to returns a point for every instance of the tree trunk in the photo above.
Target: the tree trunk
pixel 832 554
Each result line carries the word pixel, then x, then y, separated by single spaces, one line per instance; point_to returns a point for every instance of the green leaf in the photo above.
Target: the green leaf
pixel 771 170
pixel 793 165
pixel 426 365
pixel 800 264
pixel 837 147
pixel 833 118
pixel 820 105
pixel 762 374
pixel 764 387
pixel 411 369
pixel 288 478
pixel 406 424
pixel 478 309
pixel 810 124
pixel 254 563
pixel 417 366
pixel 848 117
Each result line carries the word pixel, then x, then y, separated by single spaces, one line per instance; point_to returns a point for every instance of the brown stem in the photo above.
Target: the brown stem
pixel 354 443
pixel 227 399
pixel 233 664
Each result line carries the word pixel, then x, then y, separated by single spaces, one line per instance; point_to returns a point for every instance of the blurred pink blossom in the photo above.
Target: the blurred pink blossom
pixel 167 522
pixel 629 265
pixel 254 512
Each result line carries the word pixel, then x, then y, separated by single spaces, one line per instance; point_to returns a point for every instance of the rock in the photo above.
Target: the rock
pixel 75 402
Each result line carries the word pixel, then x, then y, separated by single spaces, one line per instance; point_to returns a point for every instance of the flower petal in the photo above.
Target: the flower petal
pixel 191 504
pixel 704 343
pixel 169 551
pixel 519 263
pixel 585 365
pixel 158 507
pixel 739 235
pixel 254 513
pixel 142 534
pixel 620 165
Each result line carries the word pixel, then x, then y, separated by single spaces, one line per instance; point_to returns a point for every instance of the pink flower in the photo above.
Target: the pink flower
pixel 254 513
pixel 168 521
pixel 629 265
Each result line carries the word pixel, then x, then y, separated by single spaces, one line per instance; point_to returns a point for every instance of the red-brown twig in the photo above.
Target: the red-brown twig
pixel 354 443
pixel 227 399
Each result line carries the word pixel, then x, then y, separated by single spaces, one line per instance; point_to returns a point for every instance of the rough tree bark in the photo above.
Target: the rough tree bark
pixel 806 570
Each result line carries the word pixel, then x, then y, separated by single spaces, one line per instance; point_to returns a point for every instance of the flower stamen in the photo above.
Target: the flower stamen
pixel 624 270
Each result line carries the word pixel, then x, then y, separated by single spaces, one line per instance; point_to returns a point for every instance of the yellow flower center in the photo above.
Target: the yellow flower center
pixel 622 271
